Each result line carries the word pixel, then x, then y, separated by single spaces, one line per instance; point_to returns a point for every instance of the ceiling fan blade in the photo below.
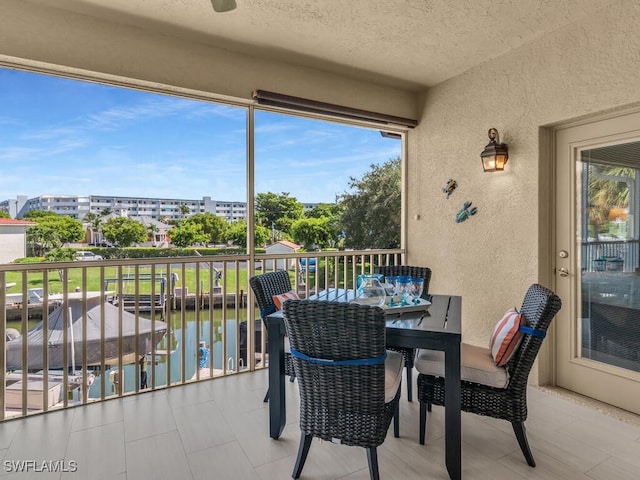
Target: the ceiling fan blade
pixel 223 5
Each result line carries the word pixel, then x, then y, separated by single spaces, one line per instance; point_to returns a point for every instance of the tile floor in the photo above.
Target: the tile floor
pixel 217 430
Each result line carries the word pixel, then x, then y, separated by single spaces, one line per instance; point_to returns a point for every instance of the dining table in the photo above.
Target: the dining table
pixel 434 326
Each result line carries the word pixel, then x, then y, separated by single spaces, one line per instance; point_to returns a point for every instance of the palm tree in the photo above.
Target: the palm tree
pixel 184 210
pixel 95 223
pixel 608 190
pixel 152 228
pixel 42 238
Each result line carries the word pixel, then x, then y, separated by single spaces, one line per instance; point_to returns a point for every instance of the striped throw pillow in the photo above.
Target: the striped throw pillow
pixel 506 337
pixel 278 300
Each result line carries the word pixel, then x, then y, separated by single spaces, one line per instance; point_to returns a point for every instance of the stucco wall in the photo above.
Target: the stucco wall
pixel 281 264
pixel 12 243
pixel 493 257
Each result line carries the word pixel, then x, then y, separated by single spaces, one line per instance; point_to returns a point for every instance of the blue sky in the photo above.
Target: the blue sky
pixel 60 136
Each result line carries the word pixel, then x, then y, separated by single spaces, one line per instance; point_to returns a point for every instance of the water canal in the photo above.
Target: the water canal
pixel 180 345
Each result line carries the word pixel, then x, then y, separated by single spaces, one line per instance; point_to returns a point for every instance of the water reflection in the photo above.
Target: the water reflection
pixel 190 344
pixel 180 345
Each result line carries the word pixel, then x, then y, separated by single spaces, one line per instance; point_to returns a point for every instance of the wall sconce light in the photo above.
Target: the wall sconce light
pixel 495 155
pixel 223 5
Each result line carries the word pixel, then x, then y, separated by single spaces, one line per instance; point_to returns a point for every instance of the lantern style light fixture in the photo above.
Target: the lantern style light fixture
pixel 495 155
pixel 223 5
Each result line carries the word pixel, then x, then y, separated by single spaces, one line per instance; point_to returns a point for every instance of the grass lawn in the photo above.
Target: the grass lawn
pixel 75 280
pixel 35 278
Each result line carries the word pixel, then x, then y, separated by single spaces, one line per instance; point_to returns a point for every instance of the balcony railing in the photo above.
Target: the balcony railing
pixel 80 332
pixel 611 255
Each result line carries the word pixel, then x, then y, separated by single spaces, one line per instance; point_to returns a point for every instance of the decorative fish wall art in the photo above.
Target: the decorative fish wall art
pixel 465 212
pixel 449 187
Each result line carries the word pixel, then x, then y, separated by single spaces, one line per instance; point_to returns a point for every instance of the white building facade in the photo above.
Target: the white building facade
pixel 162 209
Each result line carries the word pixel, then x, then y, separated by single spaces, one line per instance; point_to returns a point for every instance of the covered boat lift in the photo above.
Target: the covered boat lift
pixel 124 334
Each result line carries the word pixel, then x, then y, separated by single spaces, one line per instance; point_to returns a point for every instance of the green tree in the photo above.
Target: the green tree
pixel 332 212
pixel 35 215
pixel 41 238
pixel 261 235
pixel 53 231
pixel 152 229
pixel 95 222
pixel 237 234
pixel 92 219
pixel 371 210
pixel 324 210
pixel 186 234
pixel 213 226
pixel 184 210
pixel 69 229
pixel 608 190
pixel 312 231
pixel 278 211
pixel 123 231
pixel 4 214
pixel 60 255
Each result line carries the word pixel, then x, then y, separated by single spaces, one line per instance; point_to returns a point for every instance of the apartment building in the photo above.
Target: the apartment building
pixel 157 208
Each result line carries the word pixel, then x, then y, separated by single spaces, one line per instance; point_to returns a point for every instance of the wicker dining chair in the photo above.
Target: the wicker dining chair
pixel 264 287
pixel 349 383
pixel 486 389
pixel 408 354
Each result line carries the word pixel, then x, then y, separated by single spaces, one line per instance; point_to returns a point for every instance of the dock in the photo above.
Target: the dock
pixel 204 300
pixel 34 388
pixel 144 304
pixel 34 311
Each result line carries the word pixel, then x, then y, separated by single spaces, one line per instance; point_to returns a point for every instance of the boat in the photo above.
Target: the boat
pixel 59 322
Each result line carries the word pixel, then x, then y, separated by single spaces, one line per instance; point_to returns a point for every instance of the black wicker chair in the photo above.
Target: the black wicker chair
pixel 409 354
pixel 339 355
pixel 264 287
pixel 509 402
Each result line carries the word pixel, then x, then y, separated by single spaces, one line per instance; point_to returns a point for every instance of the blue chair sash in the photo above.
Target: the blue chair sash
pixel 267 311
pixel 532 331
pixel 352 362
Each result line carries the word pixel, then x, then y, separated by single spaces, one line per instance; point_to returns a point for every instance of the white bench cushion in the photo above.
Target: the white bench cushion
pixel 392 374
pixel 476 365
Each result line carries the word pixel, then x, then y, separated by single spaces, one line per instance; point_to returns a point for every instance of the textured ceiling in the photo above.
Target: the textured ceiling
pixel 407 43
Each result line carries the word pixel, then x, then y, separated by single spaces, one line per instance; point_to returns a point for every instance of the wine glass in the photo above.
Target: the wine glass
pixel 417 287
pixel 403 289
pixel 390 287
